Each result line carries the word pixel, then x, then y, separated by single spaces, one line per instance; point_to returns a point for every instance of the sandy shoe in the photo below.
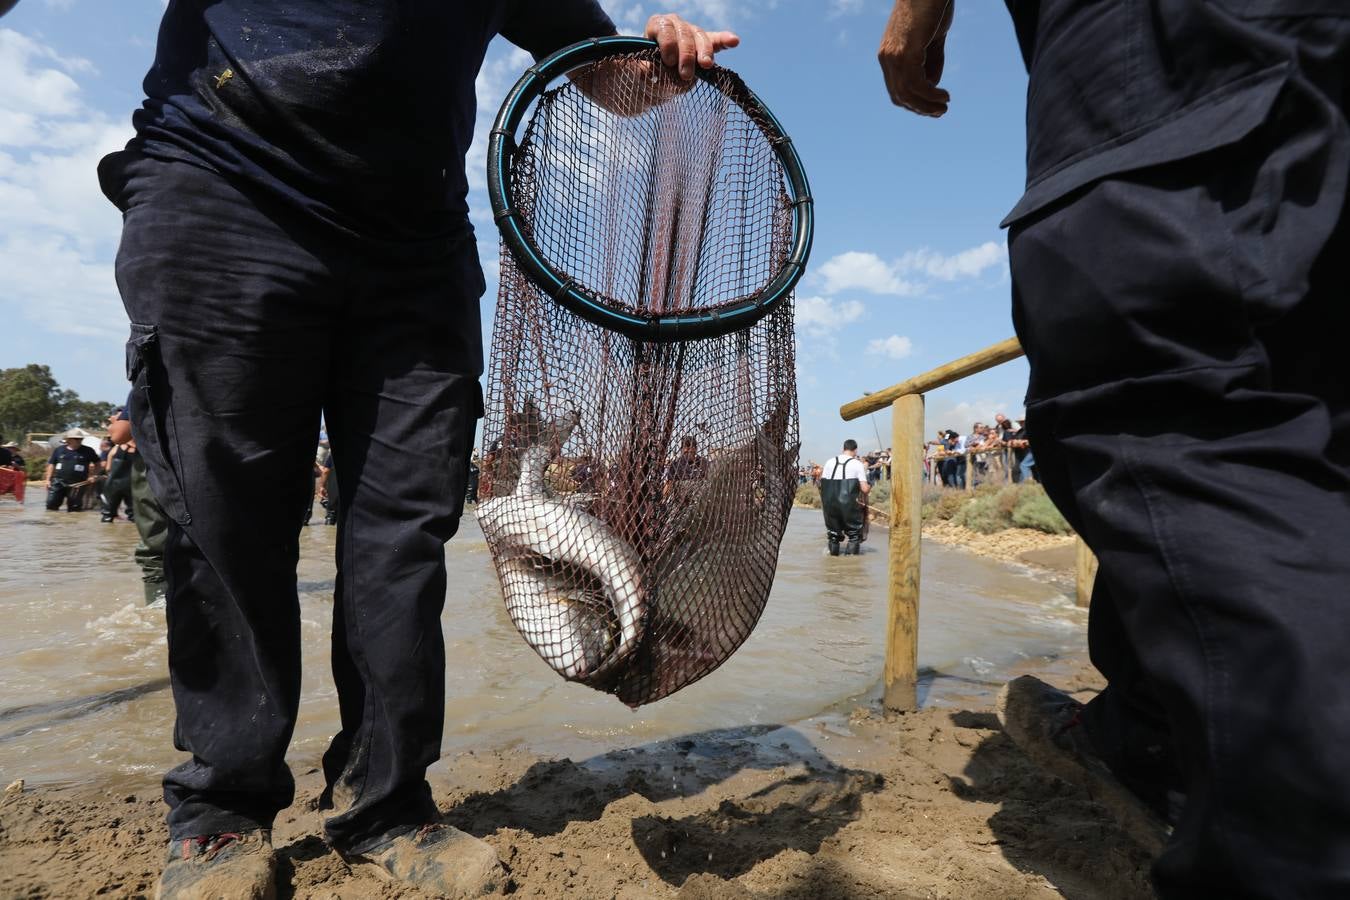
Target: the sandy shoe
pixel 235 865
pixel 437 859
pixel 1046 724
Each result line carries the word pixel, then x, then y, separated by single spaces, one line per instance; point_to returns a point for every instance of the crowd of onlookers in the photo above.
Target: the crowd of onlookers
pixel 997 452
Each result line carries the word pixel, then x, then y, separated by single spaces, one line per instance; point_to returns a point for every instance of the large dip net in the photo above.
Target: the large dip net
pixel 636 485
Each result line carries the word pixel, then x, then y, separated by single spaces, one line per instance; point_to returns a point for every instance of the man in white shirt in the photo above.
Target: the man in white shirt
pixel 843 487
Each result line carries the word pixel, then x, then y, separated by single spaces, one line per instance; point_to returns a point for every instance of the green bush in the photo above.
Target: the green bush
pixel 1011 506
pixel 36 464
pixel 986 513
pixel 807 495
pixel 880 496
pixel 945 504
pixel 1034 509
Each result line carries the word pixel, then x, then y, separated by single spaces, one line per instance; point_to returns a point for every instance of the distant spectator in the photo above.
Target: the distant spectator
pixel 686 466
pixel 70 468
pixel 117 463
pixel 954 467
pixel 15 458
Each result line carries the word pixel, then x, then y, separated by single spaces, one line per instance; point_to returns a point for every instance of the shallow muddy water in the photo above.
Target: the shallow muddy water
pixel 83 687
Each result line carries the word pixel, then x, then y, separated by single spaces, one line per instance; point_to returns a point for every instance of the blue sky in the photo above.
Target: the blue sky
pixel 909 268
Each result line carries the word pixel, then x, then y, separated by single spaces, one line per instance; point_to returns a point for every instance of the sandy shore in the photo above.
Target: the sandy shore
pixel 937 803
pixel 1017 545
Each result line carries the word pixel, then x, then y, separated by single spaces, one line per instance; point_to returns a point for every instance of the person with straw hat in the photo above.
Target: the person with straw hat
pixel 71 467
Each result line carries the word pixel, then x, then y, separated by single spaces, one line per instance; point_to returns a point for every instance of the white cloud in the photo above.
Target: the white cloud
pixel 820 316
pixel 970 263
pixel 631 15
pixel 912 273
pixel 60 287
pixel 502 68
pixel 29 86
pixel 864 272
pixel 845 7
pixel 894 347
pixel 961 416
pixel 58 233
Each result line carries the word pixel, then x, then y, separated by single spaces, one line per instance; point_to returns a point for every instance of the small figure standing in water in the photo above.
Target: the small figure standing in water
pixel 71 467
pixel 151 522
pixel 843 492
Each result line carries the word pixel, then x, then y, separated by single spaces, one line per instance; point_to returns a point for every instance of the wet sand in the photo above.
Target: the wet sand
pixel 777 777
pixel 844 805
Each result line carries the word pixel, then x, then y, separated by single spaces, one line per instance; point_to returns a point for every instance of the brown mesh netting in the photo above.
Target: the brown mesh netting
pixel 635 493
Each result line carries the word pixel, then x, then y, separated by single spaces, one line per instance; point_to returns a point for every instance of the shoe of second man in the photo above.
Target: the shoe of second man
pixel 437 859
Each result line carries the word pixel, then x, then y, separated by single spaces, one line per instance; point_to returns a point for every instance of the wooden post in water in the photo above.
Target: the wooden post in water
pixel 1085 573
pixel 902 618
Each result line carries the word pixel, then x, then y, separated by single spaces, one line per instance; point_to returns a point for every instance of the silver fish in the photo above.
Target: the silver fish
pixel 573 588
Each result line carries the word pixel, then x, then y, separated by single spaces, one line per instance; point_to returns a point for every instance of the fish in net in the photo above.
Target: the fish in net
pixel 640 440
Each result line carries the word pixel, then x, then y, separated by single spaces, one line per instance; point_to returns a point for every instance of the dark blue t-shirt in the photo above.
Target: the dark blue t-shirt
pixel 360 112
pixel 72 466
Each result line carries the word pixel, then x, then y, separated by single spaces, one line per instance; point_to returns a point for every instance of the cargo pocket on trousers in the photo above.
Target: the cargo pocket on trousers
pixel 152 420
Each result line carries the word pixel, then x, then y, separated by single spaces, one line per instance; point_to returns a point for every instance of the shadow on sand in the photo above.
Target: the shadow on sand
pixel 1046 826
pixel 797 811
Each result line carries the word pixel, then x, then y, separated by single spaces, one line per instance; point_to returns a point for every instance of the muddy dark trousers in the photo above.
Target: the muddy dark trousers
pixel 117 495
pixel 1188 410
pixel 116 492
pixel 332 503
pixel 59 492
pixel 312 482
pixel 227 396
pixel 841 501
pixel 471 491
pixel 153 527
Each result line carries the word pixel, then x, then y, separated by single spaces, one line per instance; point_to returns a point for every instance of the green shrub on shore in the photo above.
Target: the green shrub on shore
pixel 36 465
pixel 1036 510
pixel 807 495
pixel 1012 506
pixel 989 508
pixel 942 503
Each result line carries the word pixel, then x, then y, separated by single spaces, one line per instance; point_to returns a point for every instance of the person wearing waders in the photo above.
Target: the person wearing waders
pixel 117 487
pixel 151 523
pixel 843 492
pixel 1180 268
pixel 298 169
pixel 71 468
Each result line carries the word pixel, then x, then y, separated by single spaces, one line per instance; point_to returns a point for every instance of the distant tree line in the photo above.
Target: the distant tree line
pixel 31 400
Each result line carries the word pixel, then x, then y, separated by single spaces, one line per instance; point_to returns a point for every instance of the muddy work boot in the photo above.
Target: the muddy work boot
pixel 1046 724
pixel 234 865
pixel 438 860
pixel 834 546
pixel 854 548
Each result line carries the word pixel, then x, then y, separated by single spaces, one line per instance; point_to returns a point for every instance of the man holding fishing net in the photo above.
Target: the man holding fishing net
pixel 1180 272
pixel 296 241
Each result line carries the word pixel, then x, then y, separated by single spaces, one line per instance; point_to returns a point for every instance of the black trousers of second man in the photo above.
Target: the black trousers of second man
pixel 247 321
pixel 1189 413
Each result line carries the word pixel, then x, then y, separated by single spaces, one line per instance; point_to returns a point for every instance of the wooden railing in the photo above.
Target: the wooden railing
pixel 907 457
